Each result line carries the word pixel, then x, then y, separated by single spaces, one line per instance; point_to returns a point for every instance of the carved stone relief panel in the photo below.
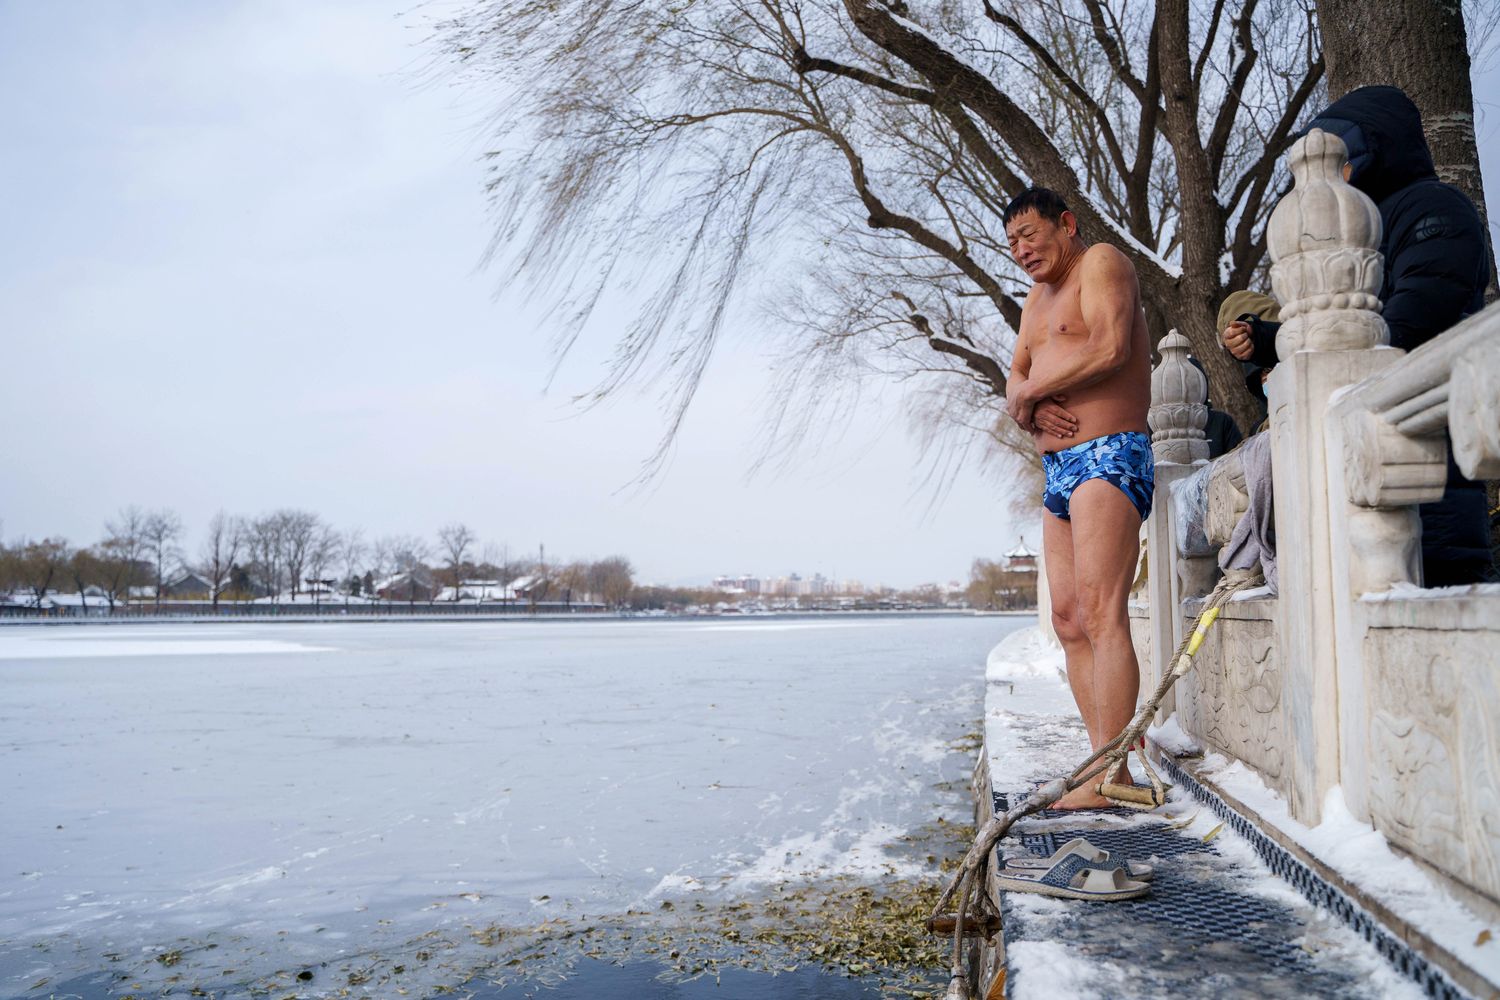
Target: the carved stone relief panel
pixel 1255 672
pixel 1434 733
pixel 1232 698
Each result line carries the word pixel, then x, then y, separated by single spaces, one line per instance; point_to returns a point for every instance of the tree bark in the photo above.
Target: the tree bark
pixel 1202 217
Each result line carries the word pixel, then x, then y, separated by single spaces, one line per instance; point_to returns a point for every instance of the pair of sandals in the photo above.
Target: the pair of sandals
pixel 1078 870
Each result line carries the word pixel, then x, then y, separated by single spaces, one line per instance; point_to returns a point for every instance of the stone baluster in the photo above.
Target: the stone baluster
pixel 1177 418
pixel 1326 271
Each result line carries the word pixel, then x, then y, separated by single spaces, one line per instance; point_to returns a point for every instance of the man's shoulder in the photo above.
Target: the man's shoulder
pixel 1106 258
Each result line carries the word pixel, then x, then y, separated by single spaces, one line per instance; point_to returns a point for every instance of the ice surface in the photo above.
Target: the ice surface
pixel 332 788
pixel 59 643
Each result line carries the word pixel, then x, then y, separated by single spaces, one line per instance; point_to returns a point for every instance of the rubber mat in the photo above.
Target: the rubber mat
pixel 1205 930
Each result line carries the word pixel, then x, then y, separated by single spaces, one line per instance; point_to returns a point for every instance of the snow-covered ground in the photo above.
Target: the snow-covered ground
pixel 292 793
pixel 1033 734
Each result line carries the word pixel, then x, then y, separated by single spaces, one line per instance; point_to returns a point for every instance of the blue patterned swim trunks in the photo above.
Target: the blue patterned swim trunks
pixel 1124 460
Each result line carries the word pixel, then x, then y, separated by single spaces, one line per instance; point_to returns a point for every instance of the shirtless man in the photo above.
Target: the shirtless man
pixel 1083 343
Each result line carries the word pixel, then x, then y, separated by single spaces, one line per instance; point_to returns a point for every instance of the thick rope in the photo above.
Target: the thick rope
pixel 968 883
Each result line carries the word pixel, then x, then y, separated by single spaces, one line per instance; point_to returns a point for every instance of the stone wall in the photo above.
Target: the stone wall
pixel 1433 737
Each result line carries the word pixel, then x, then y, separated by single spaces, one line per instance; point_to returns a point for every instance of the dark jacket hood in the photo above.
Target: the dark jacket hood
pixel 1383 130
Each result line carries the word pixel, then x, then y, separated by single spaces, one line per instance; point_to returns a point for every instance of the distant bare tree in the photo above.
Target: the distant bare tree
pixel 266 551
pixel 352 551
pixel 382 556
pixel 225 542
pixel 455 540
pixel 611 580
pixel 10 570
pixel 41 563
pixel 409 554
pixel 122 549
pixel 299 533
pixel 160 532
pixel 86 570
pixel 322 552
pixel 572 581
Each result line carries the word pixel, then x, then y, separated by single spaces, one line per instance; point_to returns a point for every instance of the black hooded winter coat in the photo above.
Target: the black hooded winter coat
pixel 1436 269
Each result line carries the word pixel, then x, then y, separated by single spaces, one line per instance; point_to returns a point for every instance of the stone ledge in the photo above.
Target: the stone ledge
pixel 1255 609
pixel 1462 609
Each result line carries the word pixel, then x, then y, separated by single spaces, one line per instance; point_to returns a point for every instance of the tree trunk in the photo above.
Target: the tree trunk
pixel 1420 46
pixel 1199 289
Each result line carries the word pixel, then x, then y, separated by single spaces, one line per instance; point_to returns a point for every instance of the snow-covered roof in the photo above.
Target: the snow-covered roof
pixel 1020 552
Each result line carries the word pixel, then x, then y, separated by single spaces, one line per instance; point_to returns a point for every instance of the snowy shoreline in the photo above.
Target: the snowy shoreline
pixel 335 616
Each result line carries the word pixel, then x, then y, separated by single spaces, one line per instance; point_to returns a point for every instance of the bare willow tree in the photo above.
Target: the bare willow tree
pixel 160 532
pixel 455 540
pixel 124 544
pixel 225 542
pixel 845 163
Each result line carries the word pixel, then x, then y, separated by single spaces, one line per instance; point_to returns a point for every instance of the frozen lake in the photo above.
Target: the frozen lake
pixel 264 798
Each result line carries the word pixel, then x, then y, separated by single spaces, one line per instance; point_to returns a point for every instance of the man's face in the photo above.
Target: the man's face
pixel 1038 244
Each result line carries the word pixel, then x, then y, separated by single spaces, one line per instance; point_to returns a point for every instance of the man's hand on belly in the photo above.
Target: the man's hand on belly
pixel 1050 416
pixel 1046 415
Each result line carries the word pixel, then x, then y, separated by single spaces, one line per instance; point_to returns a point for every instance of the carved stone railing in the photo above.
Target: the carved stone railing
pixel 1177 418
pixel 1232 700
pixel 1350 677
pixel 1418 680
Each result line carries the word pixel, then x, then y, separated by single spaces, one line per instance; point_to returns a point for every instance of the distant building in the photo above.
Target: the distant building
pixel 478 591
pixel 741 584
pixel 1021 558
pixel 415 585
pixel 188 587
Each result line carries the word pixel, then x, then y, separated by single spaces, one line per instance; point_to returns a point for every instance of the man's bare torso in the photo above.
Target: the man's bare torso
pixel 1052 328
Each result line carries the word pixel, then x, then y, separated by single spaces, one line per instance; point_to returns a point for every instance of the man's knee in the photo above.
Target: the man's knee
pixel 1065 623
pixel 1099 616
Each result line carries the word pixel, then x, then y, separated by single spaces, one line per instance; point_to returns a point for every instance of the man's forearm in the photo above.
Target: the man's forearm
pixel 1074 372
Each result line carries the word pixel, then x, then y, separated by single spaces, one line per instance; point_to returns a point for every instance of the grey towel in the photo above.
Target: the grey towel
pixel 1254 540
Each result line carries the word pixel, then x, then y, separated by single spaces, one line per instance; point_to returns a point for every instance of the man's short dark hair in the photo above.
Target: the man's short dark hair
pixel 1044 201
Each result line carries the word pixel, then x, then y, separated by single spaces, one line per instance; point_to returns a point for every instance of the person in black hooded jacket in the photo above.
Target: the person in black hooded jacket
pixel 1436 269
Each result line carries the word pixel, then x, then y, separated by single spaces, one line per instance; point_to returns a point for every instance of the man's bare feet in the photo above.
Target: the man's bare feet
pixel 1082 798
pixel 1085 797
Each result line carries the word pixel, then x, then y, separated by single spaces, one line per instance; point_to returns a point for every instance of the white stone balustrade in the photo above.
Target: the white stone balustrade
pixel 1326 270
pixel 1177 418
pixel 1350 677
pixel 1419 683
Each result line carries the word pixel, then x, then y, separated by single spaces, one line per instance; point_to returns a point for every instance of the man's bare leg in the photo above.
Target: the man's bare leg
pixel 1106 533
pixel 1058 544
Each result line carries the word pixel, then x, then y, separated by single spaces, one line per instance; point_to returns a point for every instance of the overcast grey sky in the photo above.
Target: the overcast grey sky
pixel 239 271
